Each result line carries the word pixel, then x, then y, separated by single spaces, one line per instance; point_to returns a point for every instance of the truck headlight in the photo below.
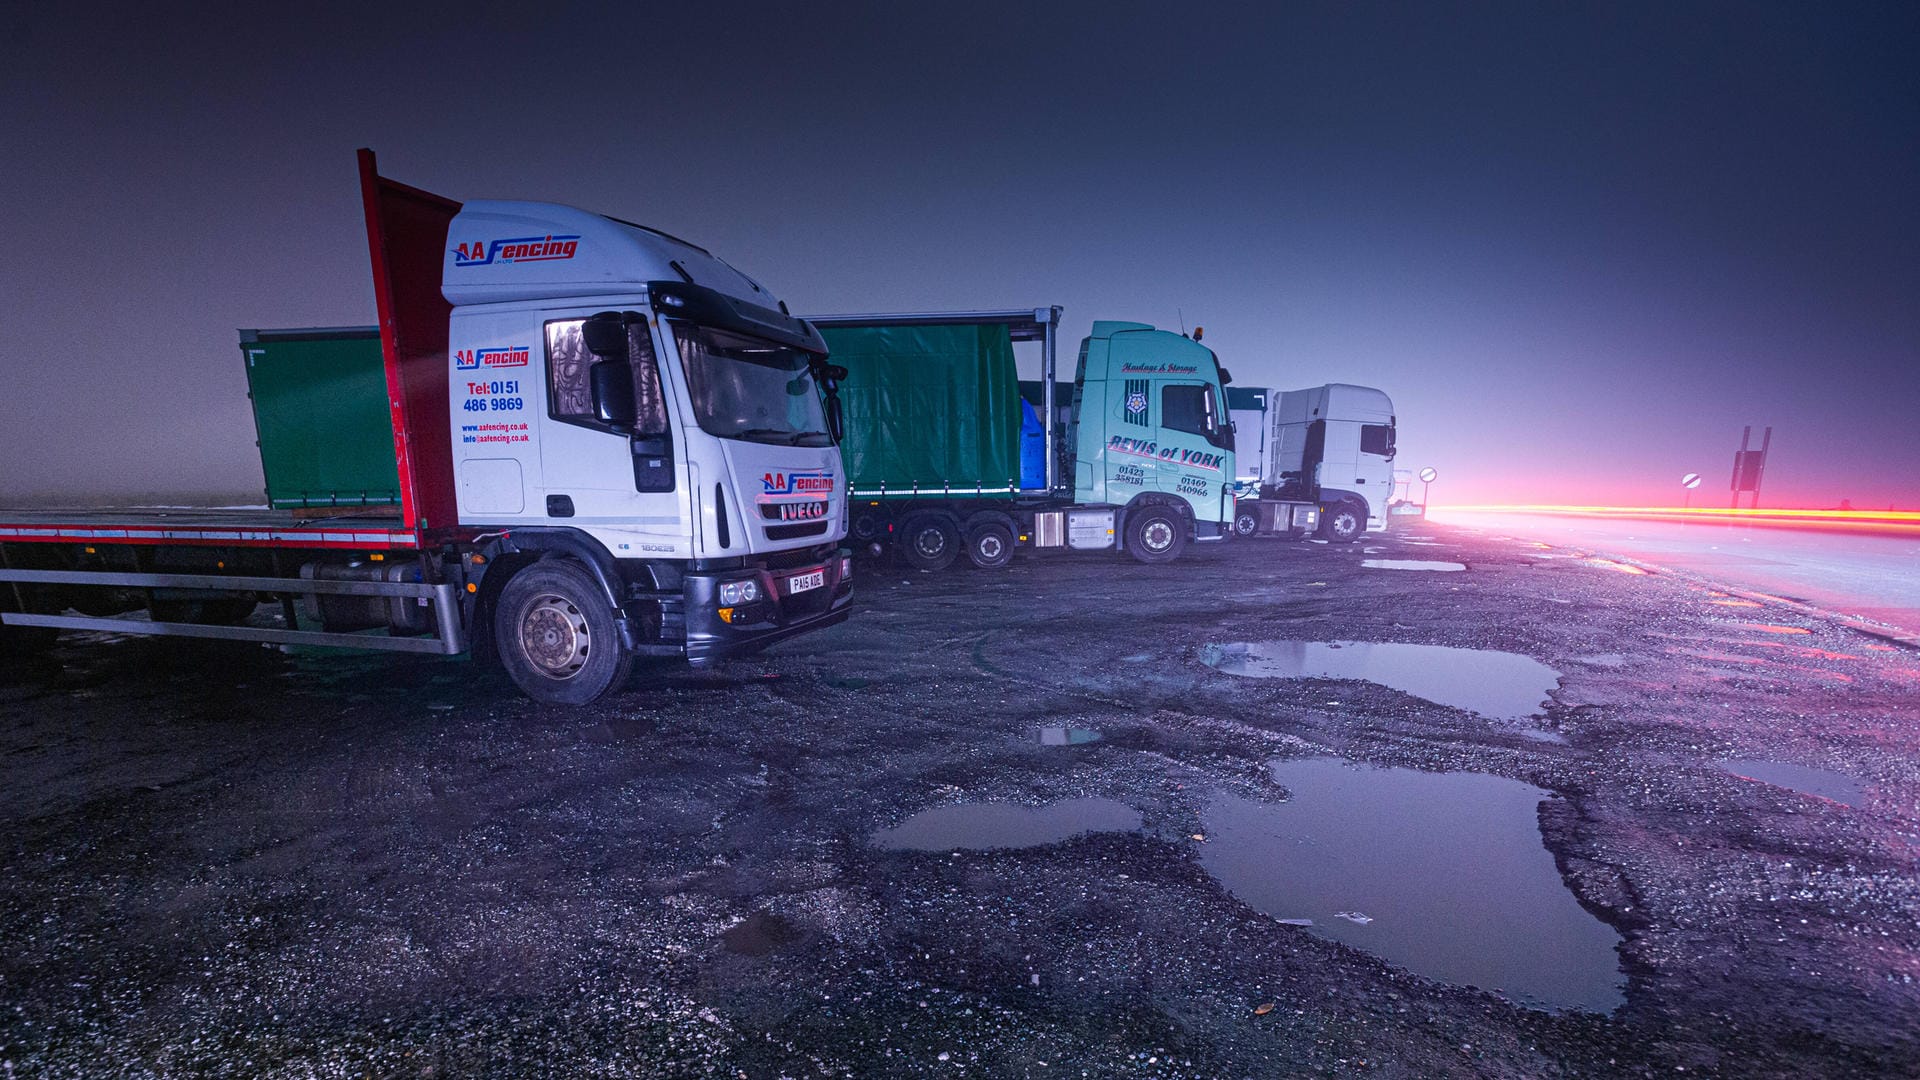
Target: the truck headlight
pixel 735 593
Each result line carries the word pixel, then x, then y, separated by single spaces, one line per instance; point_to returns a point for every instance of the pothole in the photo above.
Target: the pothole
pixel 1065 736
pixel 1819 783
pixel 1444 874
pixel 984 826
pixel 1496 685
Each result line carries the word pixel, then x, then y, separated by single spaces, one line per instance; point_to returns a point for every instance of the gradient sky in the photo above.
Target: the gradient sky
pixel 1580 246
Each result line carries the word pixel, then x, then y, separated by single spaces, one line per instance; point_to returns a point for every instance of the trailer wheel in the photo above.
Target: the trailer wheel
pixel 990 546
pixel 556 637
pixel 1246 522
pixel 1342 523
pixel 1156 534
pixel 929 542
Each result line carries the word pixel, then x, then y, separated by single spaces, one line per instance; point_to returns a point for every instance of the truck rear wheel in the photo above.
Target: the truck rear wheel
pixel 1245 521
pixel 990 546
pixel 1342 523
pixel 929 542
pixel 556 637
pixel 1156 534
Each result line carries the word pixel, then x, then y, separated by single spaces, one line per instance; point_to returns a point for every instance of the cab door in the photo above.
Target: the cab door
pixel 611 467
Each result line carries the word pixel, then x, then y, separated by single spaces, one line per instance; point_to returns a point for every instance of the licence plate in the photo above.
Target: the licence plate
pixel 812 579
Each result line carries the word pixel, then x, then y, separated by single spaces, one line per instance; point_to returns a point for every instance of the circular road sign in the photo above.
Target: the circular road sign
pixel 1428 476
pixel 1691 480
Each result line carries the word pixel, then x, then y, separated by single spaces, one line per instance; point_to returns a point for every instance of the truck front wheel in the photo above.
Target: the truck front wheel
pixel 1245 521
pixel 556 636
pixel 1342 523
pixel 1156 534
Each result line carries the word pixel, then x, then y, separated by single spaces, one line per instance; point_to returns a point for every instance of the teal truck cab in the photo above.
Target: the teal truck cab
pixel 1141 460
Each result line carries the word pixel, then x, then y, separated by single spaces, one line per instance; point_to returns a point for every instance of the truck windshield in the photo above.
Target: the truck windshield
pixel 745 388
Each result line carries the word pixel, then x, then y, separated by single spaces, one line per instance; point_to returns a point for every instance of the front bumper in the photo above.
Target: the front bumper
pixel 779 615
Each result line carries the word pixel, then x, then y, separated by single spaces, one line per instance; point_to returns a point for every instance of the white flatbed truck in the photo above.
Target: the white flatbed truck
pixel 607 443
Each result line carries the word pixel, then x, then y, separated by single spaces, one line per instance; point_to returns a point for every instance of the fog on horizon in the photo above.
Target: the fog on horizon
pixel 1580 247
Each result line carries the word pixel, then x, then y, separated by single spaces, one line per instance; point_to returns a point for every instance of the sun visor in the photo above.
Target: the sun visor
pixel 499 251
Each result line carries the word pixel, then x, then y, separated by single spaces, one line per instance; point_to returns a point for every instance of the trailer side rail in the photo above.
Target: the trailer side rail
pixel 444 599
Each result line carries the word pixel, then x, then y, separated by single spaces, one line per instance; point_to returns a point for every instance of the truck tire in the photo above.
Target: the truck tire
pixel 929 542
pixel 1246 521
pixel 1156 534
pixel 1342 523
pixel 990 546
pixel 555 635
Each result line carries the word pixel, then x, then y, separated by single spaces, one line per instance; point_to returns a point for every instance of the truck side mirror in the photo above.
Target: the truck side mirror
pixel 830 376
pixel 612 386
pixel 605 335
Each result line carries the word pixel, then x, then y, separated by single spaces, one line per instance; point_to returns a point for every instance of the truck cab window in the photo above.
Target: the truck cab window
pixel 1184 408
pixel 748 389
pixel 1376 439
pixel 569 386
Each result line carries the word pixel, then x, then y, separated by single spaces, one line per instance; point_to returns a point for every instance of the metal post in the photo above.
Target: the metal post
pixel 1050 317
pixel 1746 436
pixel 1766 440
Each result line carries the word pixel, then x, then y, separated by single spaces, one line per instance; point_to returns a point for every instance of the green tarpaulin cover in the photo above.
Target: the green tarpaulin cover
pixel 929 405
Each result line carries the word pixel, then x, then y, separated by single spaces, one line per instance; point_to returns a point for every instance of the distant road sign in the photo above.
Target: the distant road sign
pixel 1428 476
pixel 1691 480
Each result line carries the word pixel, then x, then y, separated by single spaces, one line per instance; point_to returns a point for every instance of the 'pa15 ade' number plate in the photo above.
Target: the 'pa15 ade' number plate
pixel 812 579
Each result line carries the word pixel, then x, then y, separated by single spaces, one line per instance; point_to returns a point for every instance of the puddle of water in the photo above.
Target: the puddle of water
pixel 1447 870
pixel 1545 736
pixel 1819 783
pixel 1497 685
pixel 1772 628
pixel 983 826
pixel 1064 736
pixel 1410 564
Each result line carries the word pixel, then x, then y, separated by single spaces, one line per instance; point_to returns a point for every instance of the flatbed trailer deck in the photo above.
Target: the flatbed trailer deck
pixel 211 526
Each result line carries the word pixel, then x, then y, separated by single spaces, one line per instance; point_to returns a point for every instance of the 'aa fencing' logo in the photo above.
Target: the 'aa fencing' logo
pixel 518 250
pixel 475 359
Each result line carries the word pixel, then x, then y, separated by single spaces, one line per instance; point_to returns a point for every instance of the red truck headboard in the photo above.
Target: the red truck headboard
pixel 406 237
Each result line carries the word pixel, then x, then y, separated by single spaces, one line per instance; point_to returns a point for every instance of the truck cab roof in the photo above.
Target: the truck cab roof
pixel 507 250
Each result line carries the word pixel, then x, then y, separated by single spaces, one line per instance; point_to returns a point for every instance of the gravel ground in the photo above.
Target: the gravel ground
pixel 229 862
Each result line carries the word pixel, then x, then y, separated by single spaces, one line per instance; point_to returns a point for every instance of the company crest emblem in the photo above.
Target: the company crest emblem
pixel 1136 402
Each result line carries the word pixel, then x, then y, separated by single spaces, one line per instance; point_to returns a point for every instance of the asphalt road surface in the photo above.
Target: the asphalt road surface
pixel 1873 577
pixel 1079 818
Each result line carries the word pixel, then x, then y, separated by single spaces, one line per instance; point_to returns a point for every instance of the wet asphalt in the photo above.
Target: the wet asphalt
pixel 229 862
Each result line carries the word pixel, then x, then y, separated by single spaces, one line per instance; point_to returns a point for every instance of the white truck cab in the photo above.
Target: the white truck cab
pixel 1326 463
pixel 623 392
